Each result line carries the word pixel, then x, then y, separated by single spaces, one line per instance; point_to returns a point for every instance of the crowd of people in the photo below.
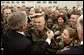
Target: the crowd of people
pixel 41 30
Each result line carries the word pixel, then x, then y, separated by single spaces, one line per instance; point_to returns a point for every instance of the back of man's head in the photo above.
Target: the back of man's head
pixel 16 19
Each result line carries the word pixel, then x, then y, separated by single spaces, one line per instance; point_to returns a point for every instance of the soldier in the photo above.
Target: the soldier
pixel 50 24
pixel 38 31
pixel 69 38
pixel 58 29
pixel 73 20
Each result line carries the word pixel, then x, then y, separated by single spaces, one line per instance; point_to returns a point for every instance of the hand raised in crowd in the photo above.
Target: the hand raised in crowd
pixel 57 33
pixel 50 33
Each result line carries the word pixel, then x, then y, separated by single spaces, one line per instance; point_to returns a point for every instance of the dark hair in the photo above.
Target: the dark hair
pixel 74 7
pixel 62 16
pixel 75 13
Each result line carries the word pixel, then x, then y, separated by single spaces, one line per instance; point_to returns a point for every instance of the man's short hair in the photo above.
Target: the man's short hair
pixel 76 13
pixel 16 19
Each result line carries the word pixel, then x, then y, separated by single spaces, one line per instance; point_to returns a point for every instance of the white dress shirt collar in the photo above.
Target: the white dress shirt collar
pixel 22 33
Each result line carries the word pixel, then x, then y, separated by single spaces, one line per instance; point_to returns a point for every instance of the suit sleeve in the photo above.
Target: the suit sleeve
pixel 40 49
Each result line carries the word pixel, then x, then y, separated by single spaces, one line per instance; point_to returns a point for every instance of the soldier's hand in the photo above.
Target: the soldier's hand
pixel 57 33
pixel 50 34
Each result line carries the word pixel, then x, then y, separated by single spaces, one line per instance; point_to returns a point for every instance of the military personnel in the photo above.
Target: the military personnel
pixel 38 31
pixel 73 20
pixel 69 38
pixel 58 29
pixel 50 24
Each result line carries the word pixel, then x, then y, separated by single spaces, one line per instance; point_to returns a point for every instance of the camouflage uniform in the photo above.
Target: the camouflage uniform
pixel 73 43
pixel 37 37
pixel 56 43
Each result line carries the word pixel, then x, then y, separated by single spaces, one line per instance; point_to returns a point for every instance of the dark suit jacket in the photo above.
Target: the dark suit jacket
pixel 74 50
pixel 16 43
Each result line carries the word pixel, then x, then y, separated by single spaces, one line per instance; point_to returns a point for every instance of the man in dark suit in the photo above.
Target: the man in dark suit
pixel 78 49
pixel 17 42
